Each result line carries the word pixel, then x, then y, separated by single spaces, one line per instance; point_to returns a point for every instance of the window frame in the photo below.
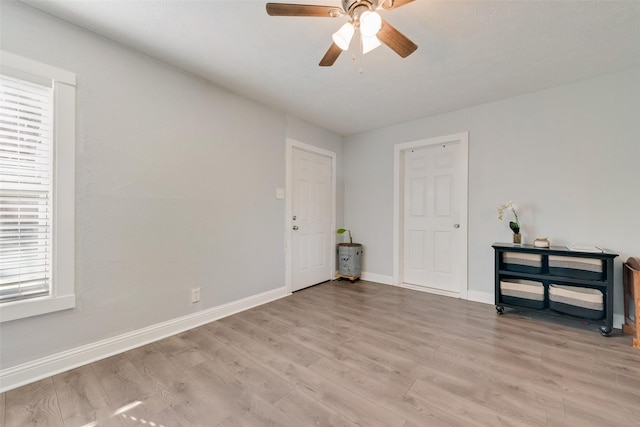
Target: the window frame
pixel 62 295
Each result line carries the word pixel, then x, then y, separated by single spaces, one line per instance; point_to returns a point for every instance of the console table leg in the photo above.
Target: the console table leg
pixel 500 309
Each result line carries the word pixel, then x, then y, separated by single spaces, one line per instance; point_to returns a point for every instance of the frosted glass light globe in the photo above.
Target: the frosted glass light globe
pixel 369 43
pixel 343 36
pixel 370 23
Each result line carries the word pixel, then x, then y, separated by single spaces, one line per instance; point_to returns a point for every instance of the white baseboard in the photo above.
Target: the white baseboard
pixel 618 320
pixel 483 297
pixel 429 290
pixel 378 278
pixel 29 372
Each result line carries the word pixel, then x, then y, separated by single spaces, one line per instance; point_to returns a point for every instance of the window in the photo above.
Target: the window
pixel 37 188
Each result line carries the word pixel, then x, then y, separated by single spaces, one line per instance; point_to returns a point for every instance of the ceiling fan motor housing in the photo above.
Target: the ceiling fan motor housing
pixel 350 6
pixel 355 8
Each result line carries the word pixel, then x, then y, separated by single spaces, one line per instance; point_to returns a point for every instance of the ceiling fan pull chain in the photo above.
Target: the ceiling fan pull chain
pixel 360 56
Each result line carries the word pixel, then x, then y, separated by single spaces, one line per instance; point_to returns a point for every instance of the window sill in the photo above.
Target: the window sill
pixel 34 307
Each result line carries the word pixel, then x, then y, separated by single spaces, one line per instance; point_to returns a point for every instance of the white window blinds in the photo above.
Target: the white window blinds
pixel 26 164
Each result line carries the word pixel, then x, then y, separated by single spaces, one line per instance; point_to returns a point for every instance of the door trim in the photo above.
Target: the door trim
pixel 288 224
pixel 398 197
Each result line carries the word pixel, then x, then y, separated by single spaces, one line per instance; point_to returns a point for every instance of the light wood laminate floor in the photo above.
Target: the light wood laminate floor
pixel 343 354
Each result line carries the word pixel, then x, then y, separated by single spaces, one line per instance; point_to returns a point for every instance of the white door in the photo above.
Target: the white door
pixel 311 219
pixel 432 186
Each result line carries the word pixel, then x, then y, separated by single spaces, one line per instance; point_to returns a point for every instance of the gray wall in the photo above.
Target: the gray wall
pixel 175 189
pixel 567 156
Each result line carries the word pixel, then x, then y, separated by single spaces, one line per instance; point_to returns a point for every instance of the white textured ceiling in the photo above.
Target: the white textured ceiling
pixel 470 52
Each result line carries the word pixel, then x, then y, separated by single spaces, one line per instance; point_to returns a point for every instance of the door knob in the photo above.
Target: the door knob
pixel 456 225
pixel 295 227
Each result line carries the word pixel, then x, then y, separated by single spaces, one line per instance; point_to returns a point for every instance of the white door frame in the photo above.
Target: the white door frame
pixel 398 197
pixel 288 222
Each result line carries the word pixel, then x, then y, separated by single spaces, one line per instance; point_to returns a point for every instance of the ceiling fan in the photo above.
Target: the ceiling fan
pixel 363 16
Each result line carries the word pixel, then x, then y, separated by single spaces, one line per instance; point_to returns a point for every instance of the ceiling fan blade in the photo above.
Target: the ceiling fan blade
pixel 284 9
pixel 394 4
pixel 396 40
pixel 331 55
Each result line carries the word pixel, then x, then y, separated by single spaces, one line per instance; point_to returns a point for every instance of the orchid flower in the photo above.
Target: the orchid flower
pixel 510 206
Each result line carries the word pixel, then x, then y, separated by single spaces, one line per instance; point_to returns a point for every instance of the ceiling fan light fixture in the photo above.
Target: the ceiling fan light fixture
pixel 369 43
pixel 363 17
pixel 370 23
pixel 343 36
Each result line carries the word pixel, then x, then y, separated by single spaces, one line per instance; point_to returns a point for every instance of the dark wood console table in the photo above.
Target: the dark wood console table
pixel 603 281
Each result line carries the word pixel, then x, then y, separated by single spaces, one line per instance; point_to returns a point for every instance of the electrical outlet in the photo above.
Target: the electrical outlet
pixel 195 295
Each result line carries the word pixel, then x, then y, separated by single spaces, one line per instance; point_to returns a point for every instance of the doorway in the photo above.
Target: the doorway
pixel 310 211
pixel 430 215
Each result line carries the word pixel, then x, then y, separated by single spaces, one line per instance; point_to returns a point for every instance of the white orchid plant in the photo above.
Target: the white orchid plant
pixel 510 206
